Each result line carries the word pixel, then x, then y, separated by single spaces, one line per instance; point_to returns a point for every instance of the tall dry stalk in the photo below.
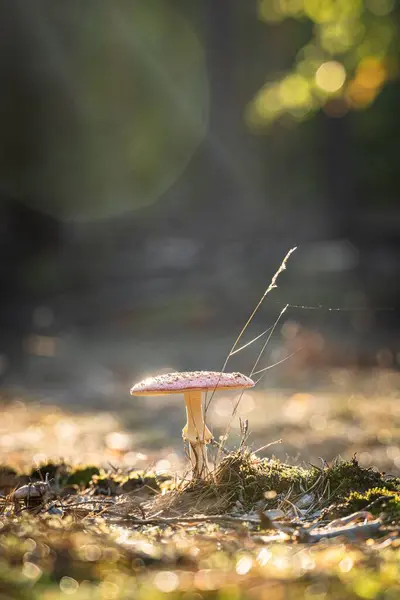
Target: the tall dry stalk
pixel 235 350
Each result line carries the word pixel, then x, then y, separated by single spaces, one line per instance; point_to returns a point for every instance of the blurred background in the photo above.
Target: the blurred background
pixel 158 158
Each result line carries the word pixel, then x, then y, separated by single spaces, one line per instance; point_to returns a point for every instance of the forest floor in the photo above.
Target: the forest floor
pixel 98 505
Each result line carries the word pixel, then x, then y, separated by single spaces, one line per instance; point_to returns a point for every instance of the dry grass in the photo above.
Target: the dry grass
pixel 253 529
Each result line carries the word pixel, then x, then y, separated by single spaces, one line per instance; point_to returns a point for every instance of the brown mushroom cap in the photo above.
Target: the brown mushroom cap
pixel 176 383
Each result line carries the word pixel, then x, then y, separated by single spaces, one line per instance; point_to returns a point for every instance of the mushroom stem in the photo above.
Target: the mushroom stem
pixel 196 433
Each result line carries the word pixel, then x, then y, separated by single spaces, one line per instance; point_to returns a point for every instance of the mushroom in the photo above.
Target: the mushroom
pixel 192 384
pixel 31 494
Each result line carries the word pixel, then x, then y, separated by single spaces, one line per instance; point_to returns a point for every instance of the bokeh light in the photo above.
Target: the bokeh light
pixel 348 43
pixel 294 92
pixel 330 76
pixel 166 581
pixel 68 585
pixel 380 8
pixel 243 565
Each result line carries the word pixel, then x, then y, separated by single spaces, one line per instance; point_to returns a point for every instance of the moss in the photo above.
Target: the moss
pixel 54 471
pixel 281 477
pixel 341 478
pixel 137 480
pixel 249 478
pixel 118 482
pixel 241 478
pixel 345 477
pixel 105 484
pixel 255 477
pixel 380 501
pixel 82 475
pixel 8 479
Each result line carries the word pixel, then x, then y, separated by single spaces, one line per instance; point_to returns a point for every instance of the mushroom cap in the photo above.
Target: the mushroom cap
pixel 32 490
pixel 176 383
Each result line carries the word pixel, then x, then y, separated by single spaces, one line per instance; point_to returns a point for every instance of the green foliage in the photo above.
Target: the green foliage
pixel 350 56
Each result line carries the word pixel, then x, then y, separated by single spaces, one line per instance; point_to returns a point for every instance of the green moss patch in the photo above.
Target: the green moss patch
pixel 82 475
pixel 242 481
pixel 345 477
pixel 114 483
pixel 249 478
pixel 379 501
